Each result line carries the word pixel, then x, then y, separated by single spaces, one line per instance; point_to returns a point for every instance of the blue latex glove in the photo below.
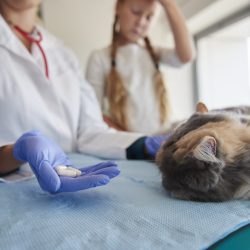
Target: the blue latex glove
pixel 44 155
pixel 153 143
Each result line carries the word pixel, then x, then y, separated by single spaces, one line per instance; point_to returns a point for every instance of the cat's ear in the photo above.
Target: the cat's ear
pixel 206 169
pixel 205 150
pixel 201 107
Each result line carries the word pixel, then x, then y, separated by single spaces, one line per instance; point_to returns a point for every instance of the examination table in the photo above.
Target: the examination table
pixel 132 212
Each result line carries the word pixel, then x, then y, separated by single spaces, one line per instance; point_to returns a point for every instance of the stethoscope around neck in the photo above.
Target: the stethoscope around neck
pixel 37 40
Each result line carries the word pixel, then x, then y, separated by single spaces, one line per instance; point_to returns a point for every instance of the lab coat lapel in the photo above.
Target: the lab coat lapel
pixel 11 43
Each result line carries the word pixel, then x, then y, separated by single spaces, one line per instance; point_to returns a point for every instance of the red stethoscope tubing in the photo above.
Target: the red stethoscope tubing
pixel 38 43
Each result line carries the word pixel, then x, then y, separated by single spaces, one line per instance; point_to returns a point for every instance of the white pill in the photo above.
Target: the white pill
pixel 75 169
pixel 67 171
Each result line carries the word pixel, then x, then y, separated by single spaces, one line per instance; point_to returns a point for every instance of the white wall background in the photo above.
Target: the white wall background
pixel 83 25
pixel 86 25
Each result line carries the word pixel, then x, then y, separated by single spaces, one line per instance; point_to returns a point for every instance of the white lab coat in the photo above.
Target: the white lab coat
pixel 63 107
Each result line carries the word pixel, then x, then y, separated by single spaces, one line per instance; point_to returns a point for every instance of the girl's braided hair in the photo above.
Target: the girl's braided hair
pixel 117 94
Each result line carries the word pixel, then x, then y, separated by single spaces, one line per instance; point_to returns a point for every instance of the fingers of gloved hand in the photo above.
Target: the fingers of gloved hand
pixel 47 177
pixel 153 143
pixel 98 166
pixel 151 146
pixel 111 172
pixel 69 184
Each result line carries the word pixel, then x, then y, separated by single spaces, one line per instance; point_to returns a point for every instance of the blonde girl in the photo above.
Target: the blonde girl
pixel 126 75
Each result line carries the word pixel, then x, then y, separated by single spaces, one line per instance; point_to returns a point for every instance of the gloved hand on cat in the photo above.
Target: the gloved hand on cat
pixel 153 143
pixel 44 156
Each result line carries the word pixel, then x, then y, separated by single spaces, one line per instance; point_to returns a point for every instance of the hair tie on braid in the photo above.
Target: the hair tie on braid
pixel 113 63
pixel 157 66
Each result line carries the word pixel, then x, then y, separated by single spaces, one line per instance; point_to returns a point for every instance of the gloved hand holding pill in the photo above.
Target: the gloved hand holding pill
pixel 52 168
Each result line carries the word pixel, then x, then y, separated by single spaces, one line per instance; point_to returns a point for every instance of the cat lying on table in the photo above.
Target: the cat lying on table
pixel 207 158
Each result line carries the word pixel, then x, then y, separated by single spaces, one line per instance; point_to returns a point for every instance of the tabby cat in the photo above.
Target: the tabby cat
pixel 207 158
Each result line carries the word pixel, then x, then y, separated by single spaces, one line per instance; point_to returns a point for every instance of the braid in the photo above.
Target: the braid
pixel 160 87
pixel 115 90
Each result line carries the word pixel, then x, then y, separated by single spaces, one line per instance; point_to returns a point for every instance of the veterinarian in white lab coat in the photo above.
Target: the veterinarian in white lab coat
pixel 63 105
pixel 43 88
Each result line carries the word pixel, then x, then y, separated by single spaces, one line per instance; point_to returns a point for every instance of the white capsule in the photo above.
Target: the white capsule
pixel 67 171
pixel 77 170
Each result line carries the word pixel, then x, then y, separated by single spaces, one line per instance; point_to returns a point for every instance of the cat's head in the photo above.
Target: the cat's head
pixel 191 161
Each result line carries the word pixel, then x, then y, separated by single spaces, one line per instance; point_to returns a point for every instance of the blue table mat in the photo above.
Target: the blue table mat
pixel 132 212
